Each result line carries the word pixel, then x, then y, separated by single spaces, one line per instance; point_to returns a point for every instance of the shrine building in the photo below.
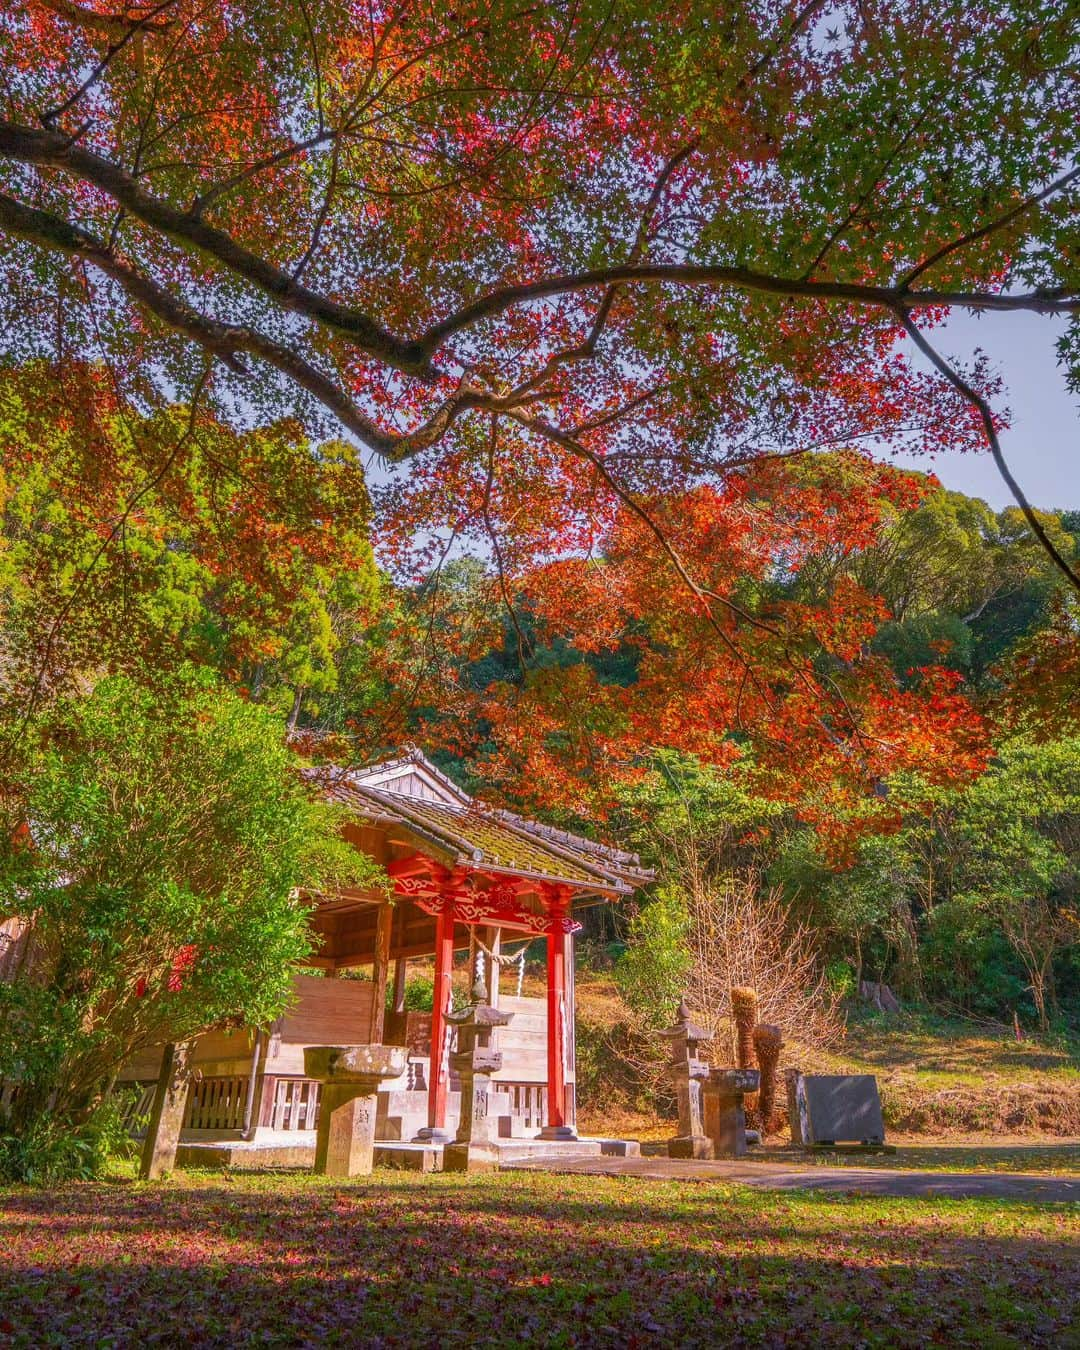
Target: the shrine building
pixel 464 877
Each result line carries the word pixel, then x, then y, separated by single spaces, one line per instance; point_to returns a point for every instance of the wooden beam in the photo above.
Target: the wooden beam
pixel 383 931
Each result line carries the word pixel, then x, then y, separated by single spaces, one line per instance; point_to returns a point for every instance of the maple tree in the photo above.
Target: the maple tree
pixel 750 664
pixel 135 542
pixel 577 276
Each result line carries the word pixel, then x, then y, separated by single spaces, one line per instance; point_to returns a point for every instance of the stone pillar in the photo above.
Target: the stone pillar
pixel 475 1148
pixel 167 1112
pixel 689 1073
pixel 725 1115
pixel 795 1106
pixel 350 1078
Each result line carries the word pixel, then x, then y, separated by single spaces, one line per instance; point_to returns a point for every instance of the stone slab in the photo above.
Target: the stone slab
pixel 841 1108
pixel 405 1155
pixel 244 1156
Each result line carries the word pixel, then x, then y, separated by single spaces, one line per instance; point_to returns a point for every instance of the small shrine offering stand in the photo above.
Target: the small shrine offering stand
pixel 725 1115
pixel 350 1078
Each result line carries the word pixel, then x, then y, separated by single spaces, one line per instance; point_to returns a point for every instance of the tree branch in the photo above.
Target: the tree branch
pixel 226 342
pixel 991 227
pixel 893 298
pixel 52 149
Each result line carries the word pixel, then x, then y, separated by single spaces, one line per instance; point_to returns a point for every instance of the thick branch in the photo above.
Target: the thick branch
pixel 227 342
pixel 53 149
pixel 892 298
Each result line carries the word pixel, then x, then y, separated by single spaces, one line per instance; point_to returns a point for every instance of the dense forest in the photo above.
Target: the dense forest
pixel 940 856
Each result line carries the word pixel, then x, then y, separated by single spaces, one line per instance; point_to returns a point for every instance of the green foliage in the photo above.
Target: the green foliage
pixel 840 978
pixel 141 542
pixel 652 972
pixel 962 582
pixel 419 994
pixel 684 811
pixel 156 843
pixel 49 1150
pixel 974 900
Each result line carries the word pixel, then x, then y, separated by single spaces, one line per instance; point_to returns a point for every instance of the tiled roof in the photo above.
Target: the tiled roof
pixel 464 832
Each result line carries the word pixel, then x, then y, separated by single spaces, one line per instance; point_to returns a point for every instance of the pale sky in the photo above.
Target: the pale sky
pixel 1042 444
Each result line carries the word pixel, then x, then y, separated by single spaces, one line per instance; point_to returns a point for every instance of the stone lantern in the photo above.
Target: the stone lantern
pixel 350 1076
pixel 475 1148
pixel 689 1073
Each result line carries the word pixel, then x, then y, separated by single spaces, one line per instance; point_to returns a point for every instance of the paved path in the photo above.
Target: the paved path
pixel 864 1180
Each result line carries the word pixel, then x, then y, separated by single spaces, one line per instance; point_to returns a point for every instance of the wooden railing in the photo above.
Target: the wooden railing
pixel 528 1102
pixel 216 1104
pixel 290 1104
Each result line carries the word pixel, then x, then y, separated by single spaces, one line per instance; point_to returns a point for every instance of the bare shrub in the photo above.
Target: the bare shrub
pixel 741 935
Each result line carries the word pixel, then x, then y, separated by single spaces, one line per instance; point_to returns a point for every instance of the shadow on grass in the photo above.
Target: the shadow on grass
pixel 523 1259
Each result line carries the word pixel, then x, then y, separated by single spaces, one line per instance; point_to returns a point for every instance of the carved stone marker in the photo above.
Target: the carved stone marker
pixel 350 1077
pixel 796 1106
pixel 166 1112
pixel 725 1115
pixel 840 1108
pixel 689 1073
pixel 475 1148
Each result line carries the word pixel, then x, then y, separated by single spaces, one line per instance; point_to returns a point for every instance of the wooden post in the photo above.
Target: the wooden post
pixel 401 967
pixel 569 1034
pixel 167 1112
pixel 556 1127
pixel 379 973
pixel 440 1068
pixel 493 942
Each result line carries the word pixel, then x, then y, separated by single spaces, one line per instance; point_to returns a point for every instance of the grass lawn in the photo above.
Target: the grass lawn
pixel 526 1258
pixel 938 1076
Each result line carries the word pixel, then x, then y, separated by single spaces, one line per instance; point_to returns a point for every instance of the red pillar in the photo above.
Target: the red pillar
pixel 440 1072
pixel 556 1127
